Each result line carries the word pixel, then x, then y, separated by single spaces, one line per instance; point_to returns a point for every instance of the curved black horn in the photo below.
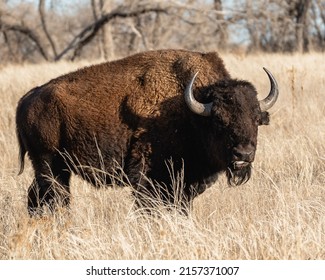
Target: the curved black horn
pixel 195 106
pixel 270 100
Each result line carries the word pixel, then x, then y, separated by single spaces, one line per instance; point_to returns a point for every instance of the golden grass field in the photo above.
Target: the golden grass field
pixel 278 214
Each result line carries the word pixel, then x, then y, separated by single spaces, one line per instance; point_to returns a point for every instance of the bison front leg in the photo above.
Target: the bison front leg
pixel 152 197
pixel 155 187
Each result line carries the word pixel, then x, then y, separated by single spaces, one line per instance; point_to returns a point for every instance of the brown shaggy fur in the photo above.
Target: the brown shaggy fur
pixel 131 114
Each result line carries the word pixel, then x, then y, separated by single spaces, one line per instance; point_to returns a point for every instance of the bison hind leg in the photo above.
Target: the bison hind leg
pixel 50 188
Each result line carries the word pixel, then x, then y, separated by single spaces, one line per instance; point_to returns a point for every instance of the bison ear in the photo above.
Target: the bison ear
pixel 264 118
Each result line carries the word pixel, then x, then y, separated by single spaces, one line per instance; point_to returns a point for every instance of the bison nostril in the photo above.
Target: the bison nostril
pixel 243 153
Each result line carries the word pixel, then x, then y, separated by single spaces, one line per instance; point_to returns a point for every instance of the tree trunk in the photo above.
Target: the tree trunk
pixel 302 34
pixel 221 31
pixel 106 33
pixel 251 27
pixel 41 9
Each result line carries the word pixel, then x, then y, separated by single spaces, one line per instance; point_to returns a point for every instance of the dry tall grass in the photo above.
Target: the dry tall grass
pixel 278 214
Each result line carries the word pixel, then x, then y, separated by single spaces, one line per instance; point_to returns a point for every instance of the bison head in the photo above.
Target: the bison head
pixel 235 114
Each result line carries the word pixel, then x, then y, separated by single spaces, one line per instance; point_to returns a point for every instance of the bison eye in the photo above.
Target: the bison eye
pixel 257 121
pixel 221 128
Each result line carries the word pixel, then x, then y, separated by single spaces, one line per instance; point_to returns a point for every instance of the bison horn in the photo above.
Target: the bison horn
pixel 195 106
pixel 270 100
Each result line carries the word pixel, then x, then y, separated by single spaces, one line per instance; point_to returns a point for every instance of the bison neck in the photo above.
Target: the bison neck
pixel 176 149
pixel 204 156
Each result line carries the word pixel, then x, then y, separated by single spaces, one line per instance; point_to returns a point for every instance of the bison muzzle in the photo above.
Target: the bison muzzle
pixel 150 119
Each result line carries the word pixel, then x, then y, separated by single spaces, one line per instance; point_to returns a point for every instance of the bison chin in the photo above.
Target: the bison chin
pixel 238 176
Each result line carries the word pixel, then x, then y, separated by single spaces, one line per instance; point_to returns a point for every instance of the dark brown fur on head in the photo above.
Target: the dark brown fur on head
pixel 236 116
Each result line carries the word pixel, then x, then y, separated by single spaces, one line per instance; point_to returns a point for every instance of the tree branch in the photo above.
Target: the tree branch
pixel 89 32
pixel 41 10
pixel 4 26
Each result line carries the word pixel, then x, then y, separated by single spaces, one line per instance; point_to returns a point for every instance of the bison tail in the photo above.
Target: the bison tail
pixel 22 152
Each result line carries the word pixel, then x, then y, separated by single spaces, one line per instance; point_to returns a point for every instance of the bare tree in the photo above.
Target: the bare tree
pixel 109 29
pixel 81 39
pixel 280 25
pixel 252 27
pixel 88 33
pixel 222 25
pixel 318 23
pixel 41 10
pixel 24 30
pixel 298 11
pixel 106 41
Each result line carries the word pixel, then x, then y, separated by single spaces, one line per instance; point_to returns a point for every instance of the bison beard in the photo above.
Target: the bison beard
pixel 238 176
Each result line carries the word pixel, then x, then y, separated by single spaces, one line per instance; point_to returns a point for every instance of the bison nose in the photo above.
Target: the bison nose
pixel 244 153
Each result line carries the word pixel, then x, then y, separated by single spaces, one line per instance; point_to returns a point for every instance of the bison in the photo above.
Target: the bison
pixel 150 119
